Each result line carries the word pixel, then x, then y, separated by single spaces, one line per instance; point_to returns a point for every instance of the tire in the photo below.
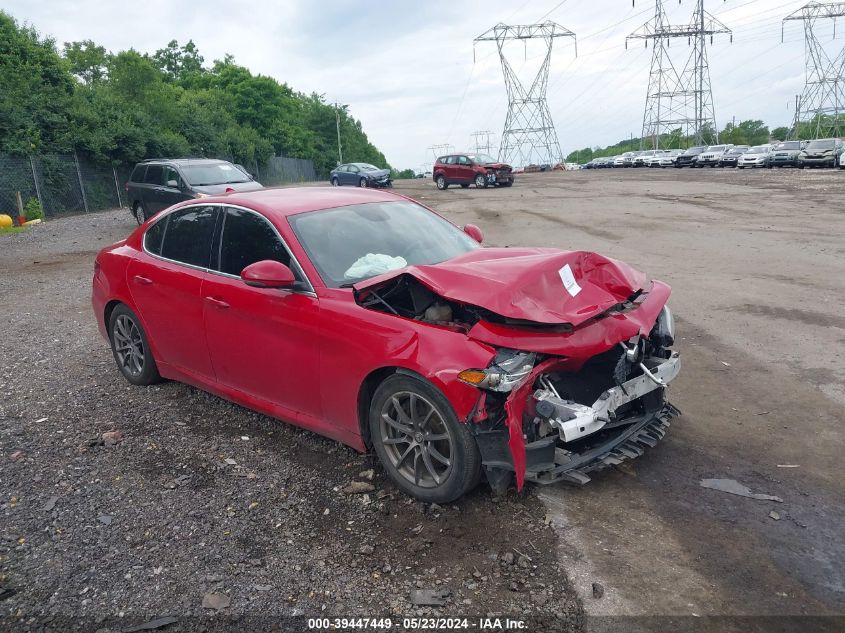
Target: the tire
pixel 464 186
pixel 480 181
pixel 335 182
pixel 128 342
pixel 362 183
pixel 441 183
pixel 139 212
pixel 408 458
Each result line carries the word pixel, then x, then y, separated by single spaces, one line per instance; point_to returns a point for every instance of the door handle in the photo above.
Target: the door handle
pixel 143 280
pixel 218 302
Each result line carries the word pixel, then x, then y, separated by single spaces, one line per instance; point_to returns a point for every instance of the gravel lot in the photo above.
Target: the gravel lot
pixel 184 506
pixel 202 497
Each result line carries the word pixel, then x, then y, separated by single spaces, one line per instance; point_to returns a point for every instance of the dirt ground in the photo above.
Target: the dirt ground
pixel 151 526
pixel 756 260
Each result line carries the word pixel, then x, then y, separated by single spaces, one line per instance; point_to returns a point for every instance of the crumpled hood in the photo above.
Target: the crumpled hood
pixel 543 285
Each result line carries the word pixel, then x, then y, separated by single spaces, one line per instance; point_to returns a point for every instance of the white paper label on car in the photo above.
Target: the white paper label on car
pixel 568 280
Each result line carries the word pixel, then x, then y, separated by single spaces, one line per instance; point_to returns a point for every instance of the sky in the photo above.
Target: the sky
pixel 409 71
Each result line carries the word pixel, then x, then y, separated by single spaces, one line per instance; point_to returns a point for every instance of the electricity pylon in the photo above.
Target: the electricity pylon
pixel 679 99
pixel 823 98
pixel 482 141
pixel 438 150
pixel 529 136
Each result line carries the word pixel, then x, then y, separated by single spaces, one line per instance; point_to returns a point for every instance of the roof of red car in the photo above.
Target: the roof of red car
pixel 291 200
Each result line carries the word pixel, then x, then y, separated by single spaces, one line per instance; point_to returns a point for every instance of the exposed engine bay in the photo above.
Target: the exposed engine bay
pixel 548 417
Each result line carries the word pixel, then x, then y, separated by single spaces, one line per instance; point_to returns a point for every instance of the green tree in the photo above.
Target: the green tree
pixel 87 61
pixel 180 63
pixel 36 88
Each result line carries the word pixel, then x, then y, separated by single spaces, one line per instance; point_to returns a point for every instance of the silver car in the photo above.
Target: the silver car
pixel 757 156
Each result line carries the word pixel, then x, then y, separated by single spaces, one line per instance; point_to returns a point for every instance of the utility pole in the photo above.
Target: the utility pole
pixel 529 136
pixel 337 121
pixel 438 150
pixel 823 98
pixel 669 90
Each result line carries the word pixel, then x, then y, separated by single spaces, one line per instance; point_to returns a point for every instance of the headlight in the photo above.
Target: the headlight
pixel 507 369
pixel 663 332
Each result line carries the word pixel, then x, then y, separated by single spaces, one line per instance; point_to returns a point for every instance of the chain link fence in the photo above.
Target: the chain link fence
pixel 67 183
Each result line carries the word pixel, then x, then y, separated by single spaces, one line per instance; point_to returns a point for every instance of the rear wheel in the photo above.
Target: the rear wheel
pixel 441 183
pixel 335 181
pixel 139 212
pixel 425 450
pixel 130 347
pixel 362 182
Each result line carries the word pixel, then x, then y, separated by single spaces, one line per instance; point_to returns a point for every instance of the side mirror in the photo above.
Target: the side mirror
pixel 268 273
pixel 474 232
pixel 173 184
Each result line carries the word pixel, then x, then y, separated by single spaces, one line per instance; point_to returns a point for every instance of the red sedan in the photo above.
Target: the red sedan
pixel 367 317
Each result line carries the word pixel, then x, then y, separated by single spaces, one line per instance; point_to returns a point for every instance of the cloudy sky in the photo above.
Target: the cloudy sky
pixel 406 68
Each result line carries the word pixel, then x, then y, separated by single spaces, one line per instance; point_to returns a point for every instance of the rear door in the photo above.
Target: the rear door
pixel 165 281
pixel 263 341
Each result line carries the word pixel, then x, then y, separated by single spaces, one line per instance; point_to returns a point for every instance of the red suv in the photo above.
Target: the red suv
pixel 467 169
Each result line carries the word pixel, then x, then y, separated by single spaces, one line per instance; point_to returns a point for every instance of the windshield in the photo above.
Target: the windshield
pixel 716 148
pixel 482 159
pixel 367 167
pixel 758 150
pixel 693 151
pixel 356 242
pixel 213 174
pixel 821 144
pixel 790 145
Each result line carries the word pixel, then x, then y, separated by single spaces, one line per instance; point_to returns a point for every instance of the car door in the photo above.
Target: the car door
pixel 150 190
pixel 463 170
pixel 352 175
pixel 263 341
pixel 165 281
pixel 171 187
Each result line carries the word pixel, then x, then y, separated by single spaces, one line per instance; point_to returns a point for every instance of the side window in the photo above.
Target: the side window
pixel 463 160
pixel 155 236
pixel 153 176
pixel 450 160
pixel 188 235
pixel 138 173
pixel 248 238
pixel 352 169
pixel 169 174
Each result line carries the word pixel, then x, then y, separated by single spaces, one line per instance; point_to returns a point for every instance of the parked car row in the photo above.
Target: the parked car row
pixel 818 153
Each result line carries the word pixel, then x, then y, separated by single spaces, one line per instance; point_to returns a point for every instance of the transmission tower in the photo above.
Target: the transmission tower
pixel 482 141
pixel 438 150
pixel 529 136
pixel 823 98
pixel 679 99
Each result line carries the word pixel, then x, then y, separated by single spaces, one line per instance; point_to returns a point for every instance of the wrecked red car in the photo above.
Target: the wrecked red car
pixel 476 169
pixel 367 317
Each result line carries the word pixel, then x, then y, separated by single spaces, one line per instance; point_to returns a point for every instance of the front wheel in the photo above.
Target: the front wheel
pixel 441 183
pixel 130 347
pixel 481 181
pixel 425 450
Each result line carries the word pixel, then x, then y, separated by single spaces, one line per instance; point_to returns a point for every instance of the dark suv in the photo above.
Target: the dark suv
pixel 472 168
pixel 157 184
pixel 688 158
pixel 786 154
pixel 823 152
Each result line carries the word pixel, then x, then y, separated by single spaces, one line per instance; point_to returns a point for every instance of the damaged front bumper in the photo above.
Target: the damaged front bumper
pixel 579 439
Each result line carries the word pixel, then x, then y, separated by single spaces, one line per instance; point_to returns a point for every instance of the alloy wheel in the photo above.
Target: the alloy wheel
pixel 128 345
pixel 416 439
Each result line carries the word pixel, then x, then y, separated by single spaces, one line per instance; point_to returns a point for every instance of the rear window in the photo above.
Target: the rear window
pixel 188 235
pixel 137 174
pixel 154 237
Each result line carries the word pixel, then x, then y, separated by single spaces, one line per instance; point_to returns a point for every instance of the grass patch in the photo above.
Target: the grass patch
pixel 13 229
